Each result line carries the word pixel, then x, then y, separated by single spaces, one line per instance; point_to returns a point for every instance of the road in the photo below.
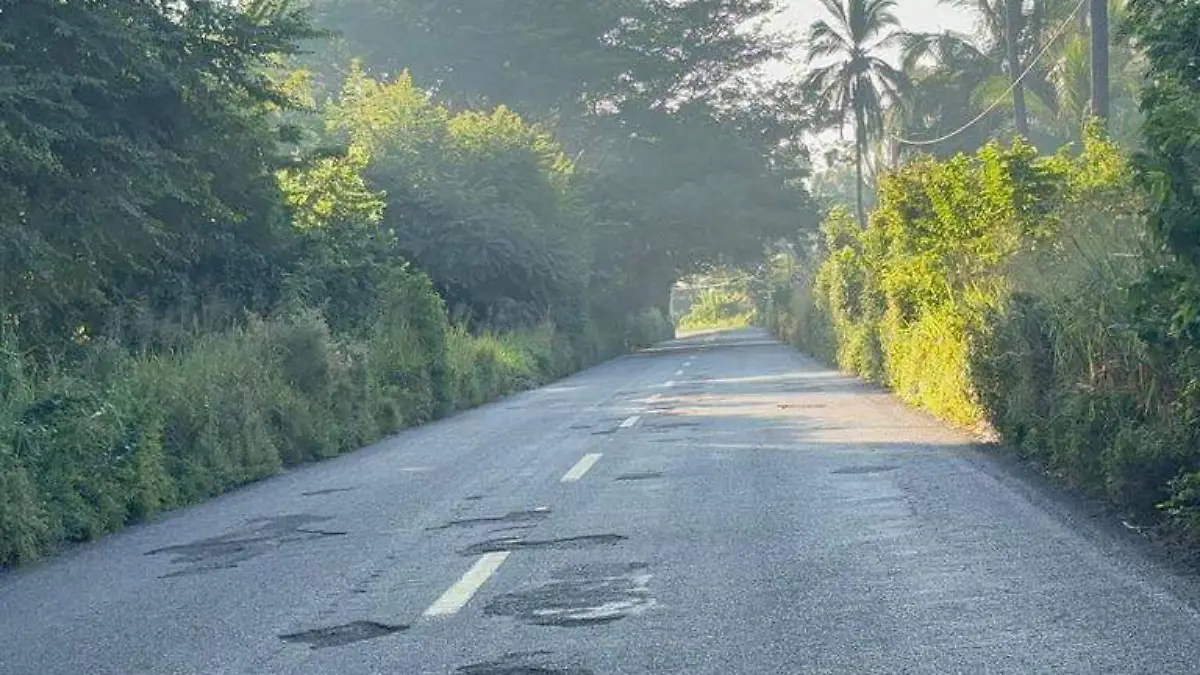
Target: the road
pixel 719 504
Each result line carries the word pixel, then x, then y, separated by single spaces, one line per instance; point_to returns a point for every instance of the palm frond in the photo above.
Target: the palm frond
pixel 835 8
pixel 869 18
pixel 830 84
pixel 893 81
pixel 869 105
pixel 824 40
pixel 1071 77
pixel 947 50
pixel 990 14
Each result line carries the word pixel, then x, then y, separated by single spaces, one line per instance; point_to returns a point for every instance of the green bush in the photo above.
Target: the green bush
pixel 795 315
pixel 719 308
pixel 484 203
pixel 646 328
pixel 1167 316
pixel 118 437
pixel 487 366
pixel 1007 289
pixel 121 436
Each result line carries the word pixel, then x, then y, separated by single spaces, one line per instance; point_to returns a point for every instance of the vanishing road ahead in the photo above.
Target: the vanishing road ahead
pixel 717 505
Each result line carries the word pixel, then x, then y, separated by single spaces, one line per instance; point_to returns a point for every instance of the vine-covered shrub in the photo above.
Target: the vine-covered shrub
pixel 724 307
pixel 1024 293
pixel 1168 317
pixel 905 295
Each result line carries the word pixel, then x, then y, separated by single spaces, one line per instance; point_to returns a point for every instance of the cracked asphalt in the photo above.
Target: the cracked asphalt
pixel 719 504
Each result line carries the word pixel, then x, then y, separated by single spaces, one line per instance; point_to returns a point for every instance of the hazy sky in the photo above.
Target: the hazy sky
pixel 915 15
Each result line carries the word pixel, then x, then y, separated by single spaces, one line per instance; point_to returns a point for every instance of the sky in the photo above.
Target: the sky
pixel 915 15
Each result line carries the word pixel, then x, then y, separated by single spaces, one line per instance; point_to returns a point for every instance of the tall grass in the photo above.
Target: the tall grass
pixel 490 365
pixel 121 436
pixel 646 328
pixel 717 308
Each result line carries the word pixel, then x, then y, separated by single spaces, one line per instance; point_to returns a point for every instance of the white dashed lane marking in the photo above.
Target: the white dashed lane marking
pixel 457 596
pixel 581 467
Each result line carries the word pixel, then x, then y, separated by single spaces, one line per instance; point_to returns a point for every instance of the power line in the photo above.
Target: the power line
pixel 1049 43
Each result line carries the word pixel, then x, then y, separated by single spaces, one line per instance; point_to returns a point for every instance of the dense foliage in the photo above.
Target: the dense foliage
pixel 721 299
pixel 211 268
pixel 138 161
pixel 684 162
pixel 1006 289
pixel 1169 299
pixel 485 204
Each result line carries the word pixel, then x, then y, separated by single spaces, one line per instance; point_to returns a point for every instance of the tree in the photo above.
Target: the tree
pixel 139 159
pixel 1056 92
pixel 685 160
pixel 944 71
pixel 484 203
pixel 559 60
pixel 1100 44
pixel 1012 17
pixel 859 84
pixel 690 191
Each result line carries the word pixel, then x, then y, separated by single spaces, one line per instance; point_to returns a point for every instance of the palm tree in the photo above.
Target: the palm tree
pixel 858 85
pixel 1012 33
pixel 1100 59
pixel 944 72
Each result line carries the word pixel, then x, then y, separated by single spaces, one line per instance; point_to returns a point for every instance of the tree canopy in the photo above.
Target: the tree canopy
pixel 684 161
pixel 139 157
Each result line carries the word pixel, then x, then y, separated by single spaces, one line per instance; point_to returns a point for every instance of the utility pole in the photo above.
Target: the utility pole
pixel 1100 38
pixel 1012 21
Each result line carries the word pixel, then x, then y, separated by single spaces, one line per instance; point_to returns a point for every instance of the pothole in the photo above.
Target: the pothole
pixel 676 425
pixel 326 491
pixel 587 595
pixel 515 543
pixel 640 475
pixel 870 468
pixel 539 513
pixel 337 636
pixel 520 663
pixel 512 528
pixel 229 550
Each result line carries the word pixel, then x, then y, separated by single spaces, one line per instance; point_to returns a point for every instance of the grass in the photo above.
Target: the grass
pixel 717 309
pixel 121 436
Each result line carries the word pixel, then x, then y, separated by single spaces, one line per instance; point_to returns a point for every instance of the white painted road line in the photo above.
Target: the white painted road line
pixel 679 372
pixel 686 364
pixel 581 467
pixel 630 421
pixel 457 596
pixel 669 384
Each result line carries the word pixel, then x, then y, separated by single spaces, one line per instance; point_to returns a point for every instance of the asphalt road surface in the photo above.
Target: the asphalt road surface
pixel 717 505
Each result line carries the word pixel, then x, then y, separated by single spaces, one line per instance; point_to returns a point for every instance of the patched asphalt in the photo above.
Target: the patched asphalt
pixel 763 515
